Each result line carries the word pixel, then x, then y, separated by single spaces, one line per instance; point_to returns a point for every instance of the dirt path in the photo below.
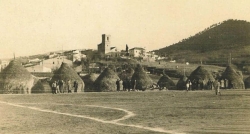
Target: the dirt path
pixel 115 122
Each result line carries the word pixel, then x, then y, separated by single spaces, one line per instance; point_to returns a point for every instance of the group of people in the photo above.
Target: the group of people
pixel 196 84
pixel 127 85
pixel 201 84
pixel 59 86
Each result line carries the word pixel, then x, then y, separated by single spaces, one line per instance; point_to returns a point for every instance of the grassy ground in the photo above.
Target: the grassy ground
pixel 178 111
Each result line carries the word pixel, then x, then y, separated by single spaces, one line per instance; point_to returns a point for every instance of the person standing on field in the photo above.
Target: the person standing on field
pixel 187 85
pixel 61 86
pixel 75 86
pixel 57 87
pixel 217 89
pixel 124 85
pixel 190 85
pixel 222 84
pixel 69 86
pixel 54 87
pixel 117 85
pixel 129 85
pixel 226 83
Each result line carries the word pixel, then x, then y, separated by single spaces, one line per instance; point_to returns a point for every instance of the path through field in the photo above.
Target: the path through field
pixel 194 112
pixel 114 122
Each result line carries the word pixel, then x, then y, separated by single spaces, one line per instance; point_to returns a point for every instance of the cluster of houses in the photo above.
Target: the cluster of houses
pixel 105 48
pixel 54 59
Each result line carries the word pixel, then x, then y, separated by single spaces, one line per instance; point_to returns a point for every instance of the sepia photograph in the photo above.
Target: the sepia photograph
pixel 124 66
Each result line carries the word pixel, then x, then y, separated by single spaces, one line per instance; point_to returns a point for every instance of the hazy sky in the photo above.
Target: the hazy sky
pixel 30 27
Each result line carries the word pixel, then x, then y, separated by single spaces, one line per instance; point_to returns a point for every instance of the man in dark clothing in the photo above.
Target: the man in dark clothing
pixel 75 86
pixel 69 86
pixel 54 87
pixel 118 85
pixel 61 86
pixel 124 84
pixel 129 84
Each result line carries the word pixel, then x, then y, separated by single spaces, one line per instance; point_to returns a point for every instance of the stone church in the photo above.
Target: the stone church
pixel 105 47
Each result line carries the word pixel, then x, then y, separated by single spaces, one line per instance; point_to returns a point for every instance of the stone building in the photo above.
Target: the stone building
pixel 137 52
pixel 105 47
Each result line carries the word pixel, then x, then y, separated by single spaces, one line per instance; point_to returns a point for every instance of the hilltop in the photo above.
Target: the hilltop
pixel 214 44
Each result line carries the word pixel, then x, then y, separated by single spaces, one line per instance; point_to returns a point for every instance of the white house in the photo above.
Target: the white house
pixel 36 60
pixel 137 52
pixel 150 56
pixel 56 62
pixel 78 56
pixel 52 55
pixel 38 68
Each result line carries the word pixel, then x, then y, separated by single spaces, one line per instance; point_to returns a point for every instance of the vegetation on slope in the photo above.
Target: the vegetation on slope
pixel 214 43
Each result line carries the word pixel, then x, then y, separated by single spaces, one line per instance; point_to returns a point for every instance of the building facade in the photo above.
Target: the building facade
pixel 137 52
pixel 105 47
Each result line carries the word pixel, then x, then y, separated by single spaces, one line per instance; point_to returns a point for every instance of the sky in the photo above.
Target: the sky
pixel 29 27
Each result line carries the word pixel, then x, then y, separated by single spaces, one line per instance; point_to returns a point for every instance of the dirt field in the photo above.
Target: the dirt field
pixel 148 112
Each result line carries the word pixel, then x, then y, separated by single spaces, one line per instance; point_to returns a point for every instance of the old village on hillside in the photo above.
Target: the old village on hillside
pixel 129 68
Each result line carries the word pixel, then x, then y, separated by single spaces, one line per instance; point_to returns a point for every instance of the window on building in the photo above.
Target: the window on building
pixel 107 38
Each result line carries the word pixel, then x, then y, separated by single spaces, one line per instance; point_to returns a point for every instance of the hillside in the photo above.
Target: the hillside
pixel 214 44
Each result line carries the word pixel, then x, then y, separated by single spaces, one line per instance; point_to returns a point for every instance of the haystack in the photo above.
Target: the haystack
pixel 106 82
pixel 200 73
pixel 15 79
pixel 46 85
pixel 143 81
pixel 181 84
pixel 166 82
pixel 38 86
pixel 89 80
pixel 127 74
pixel 235 81
pixel 65 73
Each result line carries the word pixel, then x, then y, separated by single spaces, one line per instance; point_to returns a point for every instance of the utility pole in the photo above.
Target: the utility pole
pixel 184 71
pixel 62 54
pixel 230 58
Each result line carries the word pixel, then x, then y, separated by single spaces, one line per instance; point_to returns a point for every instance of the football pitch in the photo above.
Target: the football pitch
pixel 147 112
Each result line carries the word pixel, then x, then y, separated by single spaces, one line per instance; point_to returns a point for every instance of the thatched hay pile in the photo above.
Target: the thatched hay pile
pixel 65 73
pixel 127 74
pixel 37 86
pixel 166 82
pixel 89 80
pixel 15 79
pixel 46 85
pixel 106 82
pixel 200 73
pixel 143 81
pixel 181 84
pixel 235 81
